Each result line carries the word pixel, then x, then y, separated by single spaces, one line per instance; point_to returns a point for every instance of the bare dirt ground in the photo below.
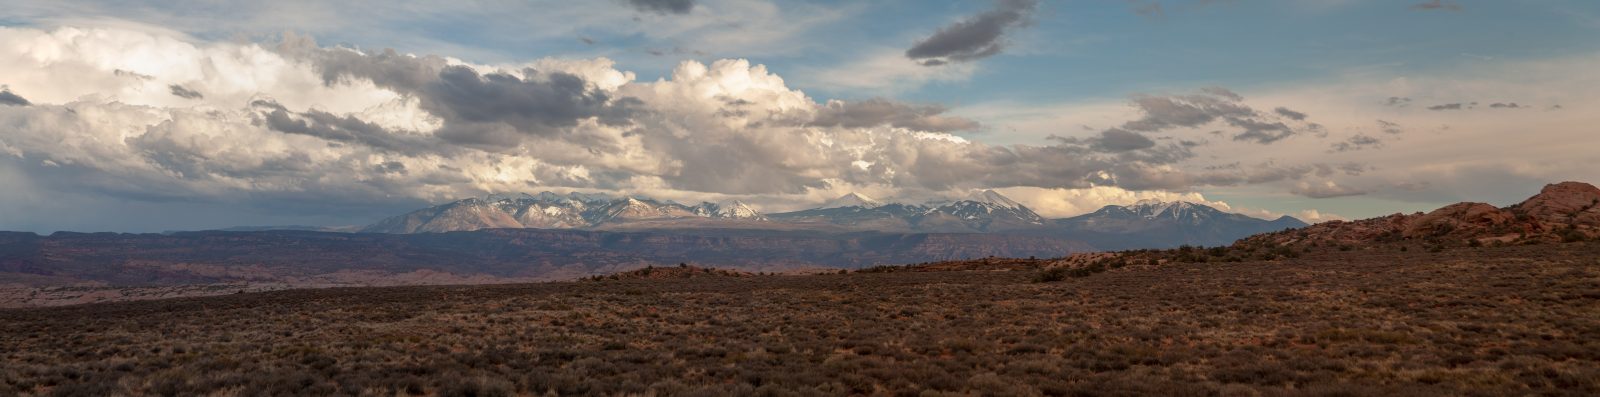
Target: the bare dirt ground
pixel 1378 321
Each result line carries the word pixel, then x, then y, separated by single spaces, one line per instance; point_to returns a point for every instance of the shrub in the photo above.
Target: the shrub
pixel 1051 275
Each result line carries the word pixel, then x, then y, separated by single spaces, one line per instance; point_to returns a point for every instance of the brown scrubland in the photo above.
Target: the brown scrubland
pixel 1408 317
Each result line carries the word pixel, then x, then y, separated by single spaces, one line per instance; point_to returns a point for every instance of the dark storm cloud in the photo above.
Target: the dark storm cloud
pixel 877 111
pixel 8 98
pixel 1437 5
pixel 663 6
pixel 488 111
pixel 977 37
pixel 1291 114
pixel 535 106
pixel 181 92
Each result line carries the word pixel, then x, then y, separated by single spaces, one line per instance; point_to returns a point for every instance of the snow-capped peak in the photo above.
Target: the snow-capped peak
pixel 852 199
pixel 737 210
pixel 992 197
pixel 1156 208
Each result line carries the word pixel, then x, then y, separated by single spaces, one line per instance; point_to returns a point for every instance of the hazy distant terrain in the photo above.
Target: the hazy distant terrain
pixel 95 262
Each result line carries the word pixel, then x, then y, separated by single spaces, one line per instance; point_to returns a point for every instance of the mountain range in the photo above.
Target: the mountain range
pixel 1156 224
pixel 101 265
pixel 1143 225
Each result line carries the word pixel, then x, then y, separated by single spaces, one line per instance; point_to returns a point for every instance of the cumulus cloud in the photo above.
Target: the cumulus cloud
pixel 352 126
pixel 335 127
pixel 663 6
pixel 977 37
pixel 1060 203
pixel 489 110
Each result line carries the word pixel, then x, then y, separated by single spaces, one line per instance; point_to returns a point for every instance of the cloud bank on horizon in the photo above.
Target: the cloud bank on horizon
pixel 118 125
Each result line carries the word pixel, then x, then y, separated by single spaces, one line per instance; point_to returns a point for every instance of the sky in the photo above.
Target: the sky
pixel 143 116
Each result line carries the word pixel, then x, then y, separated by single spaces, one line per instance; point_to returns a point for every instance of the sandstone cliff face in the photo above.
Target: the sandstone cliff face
pixel 1560 212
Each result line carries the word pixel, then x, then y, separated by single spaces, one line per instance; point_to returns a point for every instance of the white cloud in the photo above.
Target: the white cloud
pixel 1061 203
pixel 886 69
pixel 104 113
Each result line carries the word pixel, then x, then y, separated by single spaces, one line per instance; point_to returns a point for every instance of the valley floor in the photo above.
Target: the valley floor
pixel 1485 321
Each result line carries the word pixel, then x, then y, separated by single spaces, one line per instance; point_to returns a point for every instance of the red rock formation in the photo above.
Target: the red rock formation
pixel 1560 212
pixel 1564 203
pixel 1468 219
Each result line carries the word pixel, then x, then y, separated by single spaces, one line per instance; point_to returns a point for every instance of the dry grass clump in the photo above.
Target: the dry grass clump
pixel 1465 321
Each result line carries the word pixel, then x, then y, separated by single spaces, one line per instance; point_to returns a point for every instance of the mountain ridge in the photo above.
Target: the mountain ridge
pixel 985 211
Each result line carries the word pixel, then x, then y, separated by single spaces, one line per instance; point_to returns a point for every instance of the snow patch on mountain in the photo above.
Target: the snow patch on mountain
pixel 851 199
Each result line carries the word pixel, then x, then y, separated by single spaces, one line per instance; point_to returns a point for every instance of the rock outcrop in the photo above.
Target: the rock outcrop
pixel 1564 211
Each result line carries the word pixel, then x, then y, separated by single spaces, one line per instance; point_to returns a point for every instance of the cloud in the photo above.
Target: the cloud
pixel 344 129
pixel 8 98
pixel 1116 140
pixel 1395 101
pixel 318 129
pixel 1390 127
pixel 489 110
pixel 1325 189
pixel 1213 104
pixel 879 111
pixel 885 69
pixel 1259 131
pixel 663 6
pixel 1512 105
pixel 1357 142
pixel 1448 106
pixel 1166 112
pixel 1061 203
pixel 185 93
pixel 978 37
pixel 1437 5
pixel 1291 114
